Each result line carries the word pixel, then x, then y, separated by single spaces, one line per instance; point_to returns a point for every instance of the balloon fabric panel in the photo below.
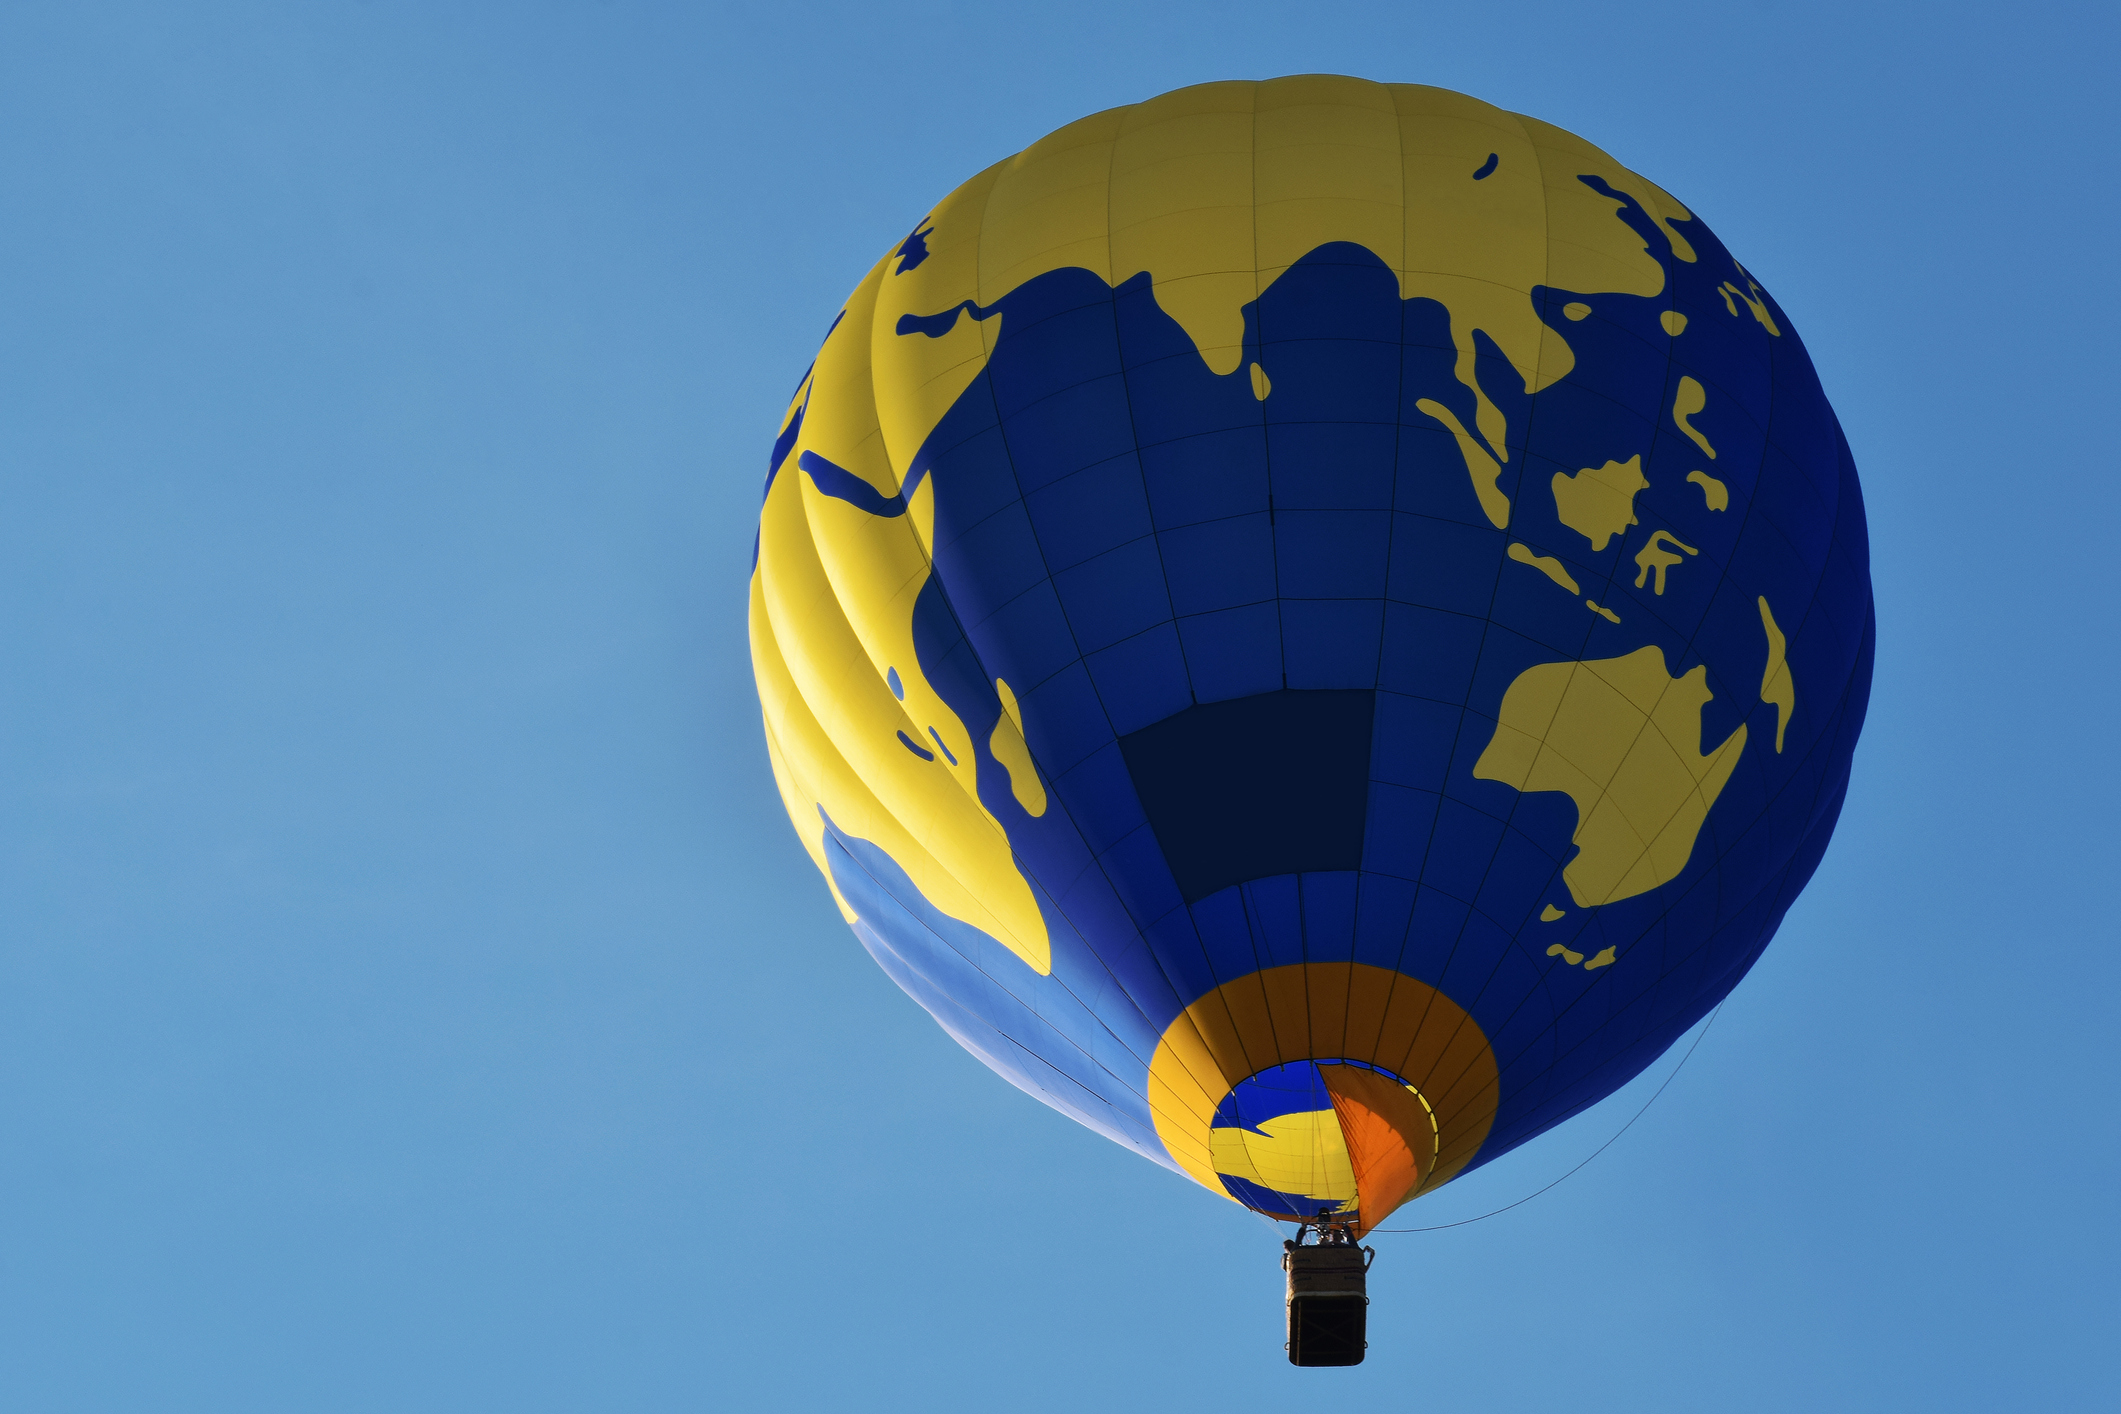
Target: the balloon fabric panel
pixel 1315 626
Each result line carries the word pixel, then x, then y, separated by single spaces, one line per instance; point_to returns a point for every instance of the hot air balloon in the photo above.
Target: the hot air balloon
pixel 1316 626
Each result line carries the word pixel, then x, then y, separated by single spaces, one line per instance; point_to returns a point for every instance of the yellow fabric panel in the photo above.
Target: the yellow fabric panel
pixel 1048 209
pixel 805 766
pixel 840 423
pixel 1444 138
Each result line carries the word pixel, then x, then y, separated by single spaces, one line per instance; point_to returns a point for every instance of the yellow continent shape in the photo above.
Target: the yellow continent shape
pixel 1598 502
pixel 1622 738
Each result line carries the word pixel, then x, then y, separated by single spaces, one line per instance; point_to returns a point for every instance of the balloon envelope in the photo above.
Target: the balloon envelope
pixel 1316 626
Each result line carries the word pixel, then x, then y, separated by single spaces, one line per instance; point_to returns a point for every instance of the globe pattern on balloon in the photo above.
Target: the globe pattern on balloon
pixel 1316 626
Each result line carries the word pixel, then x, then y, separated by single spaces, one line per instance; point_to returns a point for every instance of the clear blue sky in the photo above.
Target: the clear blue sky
pixel 399 932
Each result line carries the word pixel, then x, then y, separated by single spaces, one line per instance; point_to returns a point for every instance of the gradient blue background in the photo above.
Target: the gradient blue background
pixel 412 996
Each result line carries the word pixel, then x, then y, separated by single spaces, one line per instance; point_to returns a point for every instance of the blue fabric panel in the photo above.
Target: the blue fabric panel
pixel 1261 786
pixel 1522 878
pixel 1088 512
pixel 1401 823
pixel 1328 902
pixel 1431 478
pixel 1207 475
pixel 1135 864
pixel 1331 643
pixel 1412 746
pixel 1062 334
pixel 1100 797
pixel 1433 934
pixel 1114 596
pixel 982 481
pixel 1461 848
pixel 1064 721
pixel 1577 428
pixel 1334 466
pixel 1438 564
pixel 1219 564
pixel 1430 653
pixel 1222 935
pixel 1332 554
pixel 1275 915
pixel 1141 679
pixel 1007 554
pixel 1025 640
pixel 1069 429
pixel 1384 910
pixel 1177 397
pixel 1234 653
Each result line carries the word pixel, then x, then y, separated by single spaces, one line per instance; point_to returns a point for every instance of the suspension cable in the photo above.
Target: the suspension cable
pixel 1699 1036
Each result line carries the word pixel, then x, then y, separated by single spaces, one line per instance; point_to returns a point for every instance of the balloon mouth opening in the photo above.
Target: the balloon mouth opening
pixel 1332 1138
